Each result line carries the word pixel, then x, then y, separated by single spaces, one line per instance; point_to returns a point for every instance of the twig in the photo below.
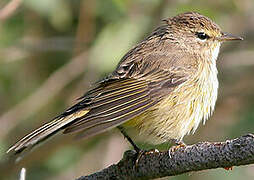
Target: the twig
pixel 200 156
pixel 57 81
pixel 9 9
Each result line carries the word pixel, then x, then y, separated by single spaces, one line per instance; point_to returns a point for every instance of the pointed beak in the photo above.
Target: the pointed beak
pixel 228 37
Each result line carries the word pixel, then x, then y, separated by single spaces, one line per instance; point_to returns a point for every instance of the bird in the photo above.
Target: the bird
pixel 161 89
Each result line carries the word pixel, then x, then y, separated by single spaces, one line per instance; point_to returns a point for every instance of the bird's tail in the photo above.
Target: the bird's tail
pixel 47 130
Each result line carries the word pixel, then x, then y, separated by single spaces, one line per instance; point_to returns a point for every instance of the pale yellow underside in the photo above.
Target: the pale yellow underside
pixel 183 110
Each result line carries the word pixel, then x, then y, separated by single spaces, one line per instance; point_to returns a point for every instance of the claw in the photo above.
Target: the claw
pixel 141 153
pixel 228 168
pixel 179 144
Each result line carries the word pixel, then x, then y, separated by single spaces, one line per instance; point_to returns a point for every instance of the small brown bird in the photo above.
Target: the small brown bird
pixel 162 88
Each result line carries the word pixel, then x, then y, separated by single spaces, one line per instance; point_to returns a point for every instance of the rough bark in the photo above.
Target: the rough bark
pixel 200 156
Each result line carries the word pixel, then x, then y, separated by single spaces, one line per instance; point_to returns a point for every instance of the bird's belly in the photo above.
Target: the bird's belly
pixel 178 114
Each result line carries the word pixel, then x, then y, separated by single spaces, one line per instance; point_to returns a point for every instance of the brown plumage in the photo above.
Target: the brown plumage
pixel 162 88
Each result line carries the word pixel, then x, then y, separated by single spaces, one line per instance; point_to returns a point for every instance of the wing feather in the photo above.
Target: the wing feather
pixel 112 107
pixel 118 103
pixel 45 131
pixel 106 106
pixel 111 123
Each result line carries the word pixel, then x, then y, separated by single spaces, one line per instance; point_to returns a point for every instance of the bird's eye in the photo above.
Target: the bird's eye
pixel 202 35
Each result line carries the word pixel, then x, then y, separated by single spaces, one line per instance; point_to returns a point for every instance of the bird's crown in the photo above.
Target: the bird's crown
pixel 201 26
pixel 195 23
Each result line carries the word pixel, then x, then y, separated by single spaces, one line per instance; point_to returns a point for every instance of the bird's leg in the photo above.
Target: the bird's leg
pixel 138 150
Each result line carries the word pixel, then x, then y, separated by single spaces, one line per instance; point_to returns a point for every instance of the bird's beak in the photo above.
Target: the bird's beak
pixel 228 37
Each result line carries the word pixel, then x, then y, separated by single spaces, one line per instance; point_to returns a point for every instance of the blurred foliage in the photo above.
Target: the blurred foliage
pixel 40 40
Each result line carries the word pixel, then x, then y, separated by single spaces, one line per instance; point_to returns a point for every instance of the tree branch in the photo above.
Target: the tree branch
pixel 9 9
pixel 200 156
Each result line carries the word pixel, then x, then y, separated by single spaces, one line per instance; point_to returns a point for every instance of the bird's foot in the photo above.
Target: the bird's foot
pixel 141 153
pixel 228 168
pixel 179 144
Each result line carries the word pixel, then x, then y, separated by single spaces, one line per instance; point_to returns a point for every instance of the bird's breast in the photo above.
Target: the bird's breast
pixel 182 110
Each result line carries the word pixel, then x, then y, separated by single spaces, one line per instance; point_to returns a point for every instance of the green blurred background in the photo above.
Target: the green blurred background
pixel 51 51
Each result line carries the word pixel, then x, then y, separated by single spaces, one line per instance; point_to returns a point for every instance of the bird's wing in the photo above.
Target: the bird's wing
pixel 108 105
pixel 118 101
pixel 112 105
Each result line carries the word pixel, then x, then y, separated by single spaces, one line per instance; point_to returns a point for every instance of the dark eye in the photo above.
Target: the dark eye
pixel 202 35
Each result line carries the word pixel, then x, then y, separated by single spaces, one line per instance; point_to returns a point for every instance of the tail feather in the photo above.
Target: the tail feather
pixel 45 131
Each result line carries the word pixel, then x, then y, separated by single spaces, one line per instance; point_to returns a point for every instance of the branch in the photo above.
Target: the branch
pixel 9 9
pixel 50 88
pixel 200 156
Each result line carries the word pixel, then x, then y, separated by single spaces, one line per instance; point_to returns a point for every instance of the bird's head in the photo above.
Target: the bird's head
pixel 197 33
